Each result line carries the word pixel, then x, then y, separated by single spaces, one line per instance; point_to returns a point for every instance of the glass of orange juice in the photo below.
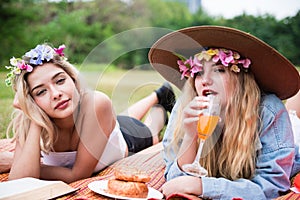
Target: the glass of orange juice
pixel 207 123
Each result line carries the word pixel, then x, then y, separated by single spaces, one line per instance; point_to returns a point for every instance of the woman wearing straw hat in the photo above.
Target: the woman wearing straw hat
pixel 250 154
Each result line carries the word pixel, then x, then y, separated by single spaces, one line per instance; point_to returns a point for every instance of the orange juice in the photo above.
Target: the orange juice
pixel 206 125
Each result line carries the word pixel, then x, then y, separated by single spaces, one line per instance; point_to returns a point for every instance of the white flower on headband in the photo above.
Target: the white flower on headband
pixel 226 57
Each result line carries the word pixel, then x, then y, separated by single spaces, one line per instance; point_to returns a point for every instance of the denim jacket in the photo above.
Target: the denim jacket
pixel 274 164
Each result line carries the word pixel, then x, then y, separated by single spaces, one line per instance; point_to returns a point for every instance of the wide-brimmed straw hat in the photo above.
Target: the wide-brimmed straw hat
pixel 273 72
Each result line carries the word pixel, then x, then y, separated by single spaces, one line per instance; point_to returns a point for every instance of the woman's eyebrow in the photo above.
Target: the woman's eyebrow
pixel 40 85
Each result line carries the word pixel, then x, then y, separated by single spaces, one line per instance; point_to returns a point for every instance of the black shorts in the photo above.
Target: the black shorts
pixel 136 134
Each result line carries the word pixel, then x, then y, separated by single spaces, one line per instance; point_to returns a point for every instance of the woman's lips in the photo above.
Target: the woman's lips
pixel 62 104
pixel 207 92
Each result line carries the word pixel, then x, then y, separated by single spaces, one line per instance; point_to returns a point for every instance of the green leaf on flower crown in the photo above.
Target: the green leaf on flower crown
pixel 181 57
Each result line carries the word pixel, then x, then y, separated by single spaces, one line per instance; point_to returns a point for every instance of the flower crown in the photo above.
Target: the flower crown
pixel 38 55
pixel 226 57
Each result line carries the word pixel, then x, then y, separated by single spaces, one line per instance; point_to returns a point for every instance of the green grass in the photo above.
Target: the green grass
pixel 6 92
pixel 123 87
pixel 6 98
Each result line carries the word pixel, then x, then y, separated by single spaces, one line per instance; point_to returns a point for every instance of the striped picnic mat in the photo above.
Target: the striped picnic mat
pixel 152 163
pixel 149 160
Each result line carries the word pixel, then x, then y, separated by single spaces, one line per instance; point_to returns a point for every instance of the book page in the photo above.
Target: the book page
pixel 26 188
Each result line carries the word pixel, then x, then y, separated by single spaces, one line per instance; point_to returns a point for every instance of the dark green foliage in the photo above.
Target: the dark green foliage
pixel 82 25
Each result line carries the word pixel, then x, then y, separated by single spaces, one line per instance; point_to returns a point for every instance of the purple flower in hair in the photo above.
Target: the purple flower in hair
pixel 196 66
pixel 183 68
pixel 39 54
pixel 195 69
pixel 226 57
pixel 246 62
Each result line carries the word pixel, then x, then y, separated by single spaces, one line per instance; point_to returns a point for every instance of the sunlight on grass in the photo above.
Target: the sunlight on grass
pixel 124 87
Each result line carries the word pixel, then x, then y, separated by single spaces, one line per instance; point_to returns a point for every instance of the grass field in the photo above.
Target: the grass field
pixel 123 87
pixel 6 98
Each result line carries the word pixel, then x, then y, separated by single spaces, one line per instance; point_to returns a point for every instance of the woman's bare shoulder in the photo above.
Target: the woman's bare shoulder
pixel 96 99
pixel 96 109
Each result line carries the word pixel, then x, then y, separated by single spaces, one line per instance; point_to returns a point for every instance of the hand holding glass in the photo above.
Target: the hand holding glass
pixel 207 123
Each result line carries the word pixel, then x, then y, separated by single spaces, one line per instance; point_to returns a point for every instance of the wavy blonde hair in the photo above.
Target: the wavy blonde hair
pixel 30 111
pixel 233 154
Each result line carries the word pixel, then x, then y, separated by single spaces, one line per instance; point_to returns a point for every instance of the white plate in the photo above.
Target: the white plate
pixel 100 187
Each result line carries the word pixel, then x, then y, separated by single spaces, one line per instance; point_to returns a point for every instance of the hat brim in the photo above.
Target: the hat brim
pixel 273 72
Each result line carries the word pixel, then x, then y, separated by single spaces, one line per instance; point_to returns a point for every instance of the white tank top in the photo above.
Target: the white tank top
pixel 114 150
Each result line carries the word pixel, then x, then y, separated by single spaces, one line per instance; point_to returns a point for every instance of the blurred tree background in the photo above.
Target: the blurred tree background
pixel 82 25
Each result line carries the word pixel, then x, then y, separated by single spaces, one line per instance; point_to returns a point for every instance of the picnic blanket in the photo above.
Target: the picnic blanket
pixel 149 160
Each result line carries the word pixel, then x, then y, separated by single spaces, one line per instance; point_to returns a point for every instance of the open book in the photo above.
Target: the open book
pixel 32 188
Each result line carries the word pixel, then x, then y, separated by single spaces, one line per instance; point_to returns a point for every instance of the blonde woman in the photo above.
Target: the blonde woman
pixel 251 153
pixel 74 129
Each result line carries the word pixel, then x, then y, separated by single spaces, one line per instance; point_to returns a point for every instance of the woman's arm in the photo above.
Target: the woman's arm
pixel 27 157
pixel 188 144
pixel 273 166
pixel 83 168
pixel 272 177
pixel 6 160
pixel 171 149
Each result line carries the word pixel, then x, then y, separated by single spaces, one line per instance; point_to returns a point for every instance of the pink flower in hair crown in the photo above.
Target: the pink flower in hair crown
pixel 189 67
pixel 228 58
pixel 60 50
pixel 37 56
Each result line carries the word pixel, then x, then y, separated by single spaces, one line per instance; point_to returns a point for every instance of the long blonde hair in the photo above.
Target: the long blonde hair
pixel 30 111
pixel 233 154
